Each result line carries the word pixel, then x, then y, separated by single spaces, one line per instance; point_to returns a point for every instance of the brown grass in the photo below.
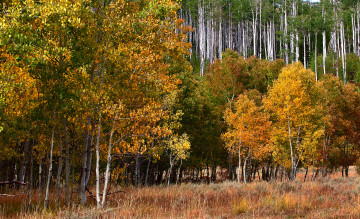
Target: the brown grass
pixel 330 197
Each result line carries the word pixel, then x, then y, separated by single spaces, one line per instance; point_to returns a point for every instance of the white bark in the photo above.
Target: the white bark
pixel 316 75
pixel 305 50
pixel 245 161
pixel 202 37
pixel 220 39
pixel 291 149
pixel 354 38
pixel 324 51
pixel 50 168
pixel 343 49
pixel 285 33
pixel 324 40
pixel 239 166
pixel 97 167
pixel 58 178
pixel 108 163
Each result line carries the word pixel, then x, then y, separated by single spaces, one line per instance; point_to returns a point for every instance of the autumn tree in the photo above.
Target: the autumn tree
pixel 295 103
pixel 248 132
pixel 342 133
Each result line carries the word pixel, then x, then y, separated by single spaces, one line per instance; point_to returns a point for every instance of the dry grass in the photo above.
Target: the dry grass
pixel 331 197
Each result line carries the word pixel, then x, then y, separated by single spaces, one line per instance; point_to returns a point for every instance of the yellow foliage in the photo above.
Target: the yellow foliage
pixel 297 111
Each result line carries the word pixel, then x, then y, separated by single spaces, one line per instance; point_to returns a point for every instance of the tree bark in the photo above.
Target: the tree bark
pixel 82 185
pixel 97 165
pixel 58 177
pixel 108 163
pixel 67 165
pixel 50 168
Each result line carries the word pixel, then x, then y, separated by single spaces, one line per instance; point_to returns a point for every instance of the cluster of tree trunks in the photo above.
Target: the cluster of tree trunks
pixel 278 35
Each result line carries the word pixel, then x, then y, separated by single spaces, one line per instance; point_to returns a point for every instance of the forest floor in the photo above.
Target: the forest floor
pixel 326 197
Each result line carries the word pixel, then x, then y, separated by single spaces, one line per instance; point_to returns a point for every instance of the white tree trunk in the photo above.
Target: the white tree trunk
pixel 324 51
pixel 239 166
pixel 343 49
pixel 324 41
pixel 316 75
pixel 285 33
pixel 108 163
pixel 97 165
pixel 202 37
pixel 305 50
pixel 50 168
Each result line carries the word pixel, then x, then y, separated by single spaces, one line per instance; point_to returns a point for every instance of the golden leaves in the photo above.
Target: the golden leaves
pixel 297 111
pixel 249 127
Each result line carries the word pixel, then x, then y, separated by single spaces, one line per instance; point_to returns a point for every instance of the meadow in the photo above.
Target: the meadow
pixel 326 197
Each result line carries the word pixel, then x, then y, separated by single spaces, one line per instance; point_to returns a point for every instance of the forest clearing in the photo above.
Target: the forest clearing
pixel 332 196
pixel 179 108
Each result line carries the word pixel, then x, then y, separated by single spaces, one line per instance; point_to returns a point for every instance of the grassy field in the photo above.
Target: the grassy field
pixel 330 197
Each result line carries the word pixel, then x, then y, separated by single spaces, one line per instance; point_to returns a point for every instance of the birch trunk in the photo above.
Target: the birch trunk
pixel 147 172
pixel 67 164
pixel 24 161
pixel 97 165
pixel 108 163
pixel 316 75
pixel 82 185
pixel 58 178
pixel 50 168
pixel 324 51
pixel 291 150
pixel 247 157
pixel 285 33
pixel 201 32
pixel 178 172
pixel 170 168
pixel 305 50
pixel 324 40
pixel 343 50
pixel 239 166
pixel 40 177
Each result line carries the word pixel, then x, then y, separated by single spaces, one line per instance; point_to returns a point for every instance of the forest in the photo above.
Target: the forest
pixel 106 98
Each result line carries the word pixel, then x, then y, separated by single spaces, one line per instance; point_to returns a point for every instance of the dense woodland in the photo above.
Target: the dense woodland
pixel 101 93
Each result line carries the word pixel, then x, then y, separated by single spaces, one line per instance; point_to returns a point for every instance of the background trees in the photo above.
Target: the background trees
pixel 292 30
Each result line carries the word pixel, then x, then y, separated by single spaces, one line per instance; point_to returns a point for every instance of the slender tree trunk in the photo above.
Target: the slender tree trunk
pixel 324 40
pixel 50 168
pixel 40 178
pixel 316 75
pixel 31 176
pixel 178 172
pixel 324 51
pixel 285 33
pixel 67 165
pixel 305 50
pixel 343 50
pixel 239 166
pixel 137 169
pixel 169 172
pixel 202 37
pixel 24 161
pixel 247 157
pixel 89 156
pixel 306 174
pixel 291 150
pixel 108 163
pixel 58 178
pixel 82 185
pixel 147 172
pixel 97 165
